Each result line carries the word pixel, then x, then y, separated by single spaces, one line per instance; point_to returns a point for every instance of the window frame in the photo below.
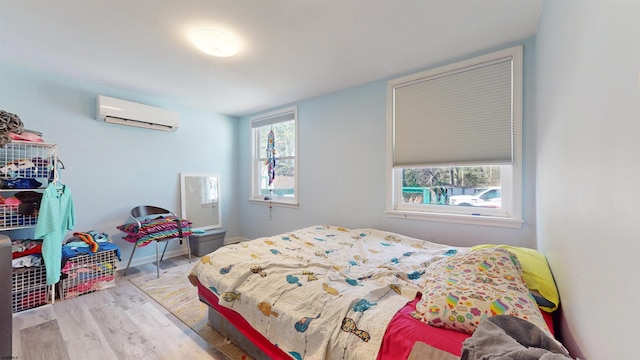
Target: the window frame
pixel 256 197
pixel 510 213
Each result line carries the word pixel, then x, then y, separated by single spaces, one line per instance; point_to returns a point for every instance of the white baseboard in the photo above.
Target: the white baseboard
pixel 234 240
pixel 122 264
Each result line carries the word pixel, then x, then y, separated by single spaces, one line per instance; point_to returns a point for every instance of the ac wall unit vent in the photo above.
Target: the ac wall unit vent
pixel 123 112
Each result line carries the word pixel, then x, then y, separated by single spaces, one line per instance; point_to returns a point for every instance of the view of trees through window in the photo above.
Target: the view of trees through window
pixel 285 145
pixel 437 185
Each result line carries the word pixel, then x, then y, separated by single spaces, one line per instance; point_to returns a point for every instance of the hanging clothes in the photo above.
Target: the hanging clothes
pixel 56 216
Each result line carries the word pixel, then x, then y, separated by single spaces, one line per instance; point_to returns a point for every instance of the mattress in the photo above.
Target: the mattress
pixel 400 337
pixel 322 291
pixel 327 292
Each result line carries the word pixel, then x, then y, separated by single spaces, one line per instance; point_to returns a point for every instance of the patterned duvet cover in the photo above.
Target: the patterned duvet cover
pixel 322 291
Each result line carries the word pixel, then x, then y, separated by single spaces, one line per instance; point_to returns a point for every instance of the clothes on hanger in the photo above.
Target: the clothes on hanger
pixel 55 218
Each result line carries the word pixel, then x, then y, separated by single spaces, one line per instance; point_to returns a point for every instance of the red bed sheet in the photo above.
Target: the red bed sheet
pixel 402 333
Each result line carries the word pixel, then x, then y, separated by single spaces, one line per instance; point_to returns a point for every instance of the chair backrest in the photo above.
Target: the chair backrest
pixel 146 210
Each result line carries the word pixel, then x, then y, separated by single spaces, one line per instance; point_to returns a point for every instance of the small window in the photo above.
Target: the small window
pixel 455 189
pixel 455 142
pixel 274 165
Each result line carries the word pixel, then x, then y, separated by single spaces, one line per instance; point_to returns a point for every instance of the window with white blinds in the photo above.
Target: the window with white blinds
pixel 465 114
pixel 461 116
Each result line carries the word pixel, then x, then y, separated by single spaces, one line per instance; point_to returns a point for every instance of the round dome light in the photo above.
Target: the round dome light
pixel 214 42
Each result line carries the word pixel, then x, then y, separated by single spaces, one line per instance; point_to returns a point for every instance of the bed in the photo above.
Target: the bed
pixel 327 292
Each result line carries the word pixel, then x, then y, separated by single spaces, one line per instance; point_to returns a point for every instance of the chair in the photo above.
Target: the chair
pixel 143 213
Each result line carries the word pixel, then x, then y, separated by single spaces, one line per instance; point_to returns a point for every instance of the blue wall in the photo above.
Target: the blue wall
pixel 112 168
pixel 342 179
pixel 342 153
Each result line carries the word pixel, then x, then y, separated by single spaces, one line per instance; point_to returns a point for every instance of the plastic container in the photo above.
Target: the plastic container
pixel 204 243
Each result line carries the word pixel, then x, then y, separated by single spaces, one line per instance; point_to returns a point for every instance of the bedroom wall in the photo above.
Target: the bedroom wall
pixel 342 170
pixel 588 170
pixel 111 168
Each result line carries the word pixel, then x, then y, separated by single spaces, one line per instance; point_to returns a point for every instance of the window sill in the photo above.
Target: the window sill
pixel 284 204
pixel 457 218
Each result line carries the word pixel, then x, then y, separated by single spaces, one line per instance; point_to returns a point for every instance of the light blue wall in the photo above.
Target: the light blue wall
pixel 112 168
pixel 342 170
pixel 342 159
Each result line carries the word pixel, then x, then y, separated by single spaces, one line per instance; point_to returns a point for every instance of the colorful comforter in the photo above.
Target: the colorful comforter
pixel 323 291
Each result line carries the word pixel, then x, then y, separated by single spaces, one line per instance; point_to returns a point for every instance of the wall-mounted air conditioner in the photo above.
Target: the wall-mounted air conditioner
pixel 123 112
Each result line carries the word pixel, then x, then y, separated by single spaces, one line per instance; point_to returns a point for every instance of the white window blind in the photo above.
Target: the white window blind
pixel 270 120
pixel 462 116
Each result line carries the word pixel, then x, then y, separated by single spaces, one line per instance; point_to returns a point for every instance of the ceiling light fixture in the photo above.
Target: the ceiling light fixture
pixel 214 42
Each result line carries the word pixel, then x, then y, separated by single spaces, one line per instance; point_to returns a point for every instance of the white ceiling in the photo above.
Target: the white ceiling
pixel 291 49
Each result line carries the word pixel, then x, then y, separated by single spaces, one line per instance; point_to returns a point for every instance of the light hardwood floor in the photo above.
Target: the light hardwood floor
pixel 116 323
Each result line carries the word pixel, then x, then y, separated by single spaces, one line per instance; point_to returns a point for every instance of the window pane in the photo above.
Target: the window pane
pixel 460 186
pixel 284 136
pixel 282 190
pixel 284 183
